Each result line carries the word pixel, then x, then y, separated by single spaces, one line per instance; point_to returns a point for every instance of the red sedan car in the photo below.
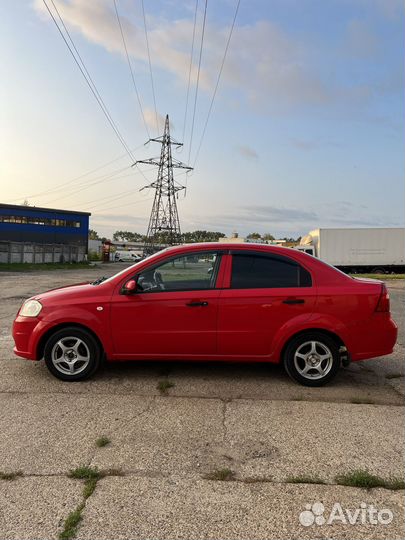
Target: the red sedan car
pixel 234 302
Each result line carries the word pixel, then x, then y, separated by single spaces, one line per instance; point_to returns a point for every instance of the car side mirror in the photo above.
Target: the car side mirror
pixel 130 287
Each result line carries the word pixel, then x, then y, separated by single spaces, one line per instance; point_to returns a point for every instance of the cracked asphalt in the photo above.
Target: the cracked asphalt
pixel 251 419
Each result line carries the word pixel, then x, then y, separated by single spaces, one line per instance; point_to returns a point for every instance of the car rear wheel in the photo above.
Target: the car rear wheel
pixel 312 359
pixel 72 354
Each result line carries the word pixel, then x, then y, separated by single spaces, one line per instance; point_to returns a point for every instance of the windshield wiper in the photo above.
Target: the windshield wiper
pixel 99 280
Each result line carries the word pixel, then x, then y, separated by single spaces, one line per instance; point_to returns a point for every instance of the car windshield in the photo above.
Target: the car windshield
pixel 151 257
pixel 99 280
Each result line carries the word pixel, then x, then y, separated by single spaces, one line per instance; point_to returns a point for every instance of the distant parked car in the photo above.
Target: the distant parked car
pixel 251 303
pixel 127 256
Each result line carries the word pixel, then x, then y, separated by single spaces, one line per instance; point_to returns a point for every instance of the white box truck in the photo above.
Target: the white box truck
pixel 376 250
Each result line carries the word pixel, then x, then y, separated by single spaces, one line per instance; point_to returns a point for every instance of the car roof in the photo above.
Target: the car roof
pixel 325 272
pixel 212 246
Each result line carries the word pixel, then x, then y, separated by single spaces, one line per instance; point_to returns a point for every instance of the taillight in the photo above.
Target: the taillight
pixel 383 304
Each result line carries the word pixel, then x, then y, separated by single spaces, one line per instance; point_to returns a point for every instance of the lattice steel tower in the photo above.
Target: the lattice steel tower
pixel 164 224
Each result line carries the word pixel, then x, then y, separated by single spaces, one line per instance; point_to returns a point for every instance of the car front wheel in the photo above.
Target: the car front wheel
pixel 312 359
pixel 72 354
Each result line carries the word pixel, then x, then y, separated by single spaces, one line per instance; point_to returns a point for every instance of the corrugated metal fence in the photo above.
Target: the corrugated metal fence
pixel 22 252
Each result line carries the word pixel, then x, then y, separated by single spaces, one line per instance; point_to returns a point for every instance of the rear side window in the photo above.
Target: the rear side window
pixel 255 271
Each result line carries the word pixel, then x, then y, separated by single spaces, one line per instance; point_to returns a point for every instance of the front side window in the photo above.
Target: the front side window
pixel 189 272
pixel 251 271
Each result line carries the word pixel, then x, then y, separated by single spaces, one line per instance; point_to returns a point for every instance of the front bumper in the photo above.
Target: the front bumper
pixel 27 332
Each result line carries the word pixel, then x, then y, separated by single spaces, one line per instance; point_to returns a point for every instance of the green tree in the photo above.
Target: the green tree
pixel 291 240
pixel 202 236
pixel 93 235
pixel 269 237
pixel 254 236
pixel 127 236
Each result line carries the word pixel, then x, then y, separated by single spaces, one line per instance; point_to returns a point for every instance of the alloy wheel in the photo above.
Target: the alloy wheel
pixel 313 360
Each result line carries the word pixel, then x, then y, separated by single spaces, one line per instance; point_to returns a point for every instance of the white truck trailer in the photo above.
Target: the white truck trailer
pixel 376 250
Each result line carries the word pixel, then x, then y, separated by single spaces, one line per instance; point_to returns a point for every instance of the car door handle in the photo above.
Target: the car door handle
pixel 294 301
pixel 197 304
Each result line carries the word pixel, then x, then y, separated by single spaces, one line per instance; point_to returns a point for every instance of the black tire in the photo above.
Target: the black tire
pixel 378 270
pixel 87 347
pixel 303 343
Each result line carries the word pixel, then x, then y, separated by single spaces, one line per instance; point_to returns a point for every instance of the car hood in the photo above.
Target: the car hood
pixel 78 289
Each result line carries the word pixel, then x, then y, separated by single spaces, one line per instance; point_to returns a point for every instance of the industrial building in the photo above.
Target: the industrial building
pixel 42 235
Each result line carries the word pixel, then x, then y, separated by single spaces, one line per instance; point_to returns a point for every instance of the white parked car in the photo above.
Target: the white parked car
pixel 127 256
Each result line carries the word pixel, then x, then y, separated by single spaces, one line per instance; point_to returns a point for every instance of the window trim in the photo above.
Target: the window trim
pixel 219 253
pixel 268 255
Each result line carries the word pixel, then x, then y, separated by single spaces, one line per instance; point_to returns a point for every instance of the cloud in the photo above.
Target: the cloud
pixel 275 214
pixel 263 218
pixel 247 152
pixel 267 65
pixel 150 119
pixel 290 221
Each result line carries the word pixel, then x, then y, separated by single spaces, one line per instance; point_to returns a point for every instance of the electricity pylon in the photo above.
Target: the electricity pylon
pixel 164 224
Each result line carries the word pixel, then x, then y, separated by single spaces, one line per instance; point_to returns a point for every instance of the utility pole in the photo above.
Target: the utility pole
pixel 164 224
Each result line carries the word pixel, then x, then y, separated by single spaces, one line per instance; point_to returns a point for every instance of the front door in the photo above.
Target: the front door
pixel 173 312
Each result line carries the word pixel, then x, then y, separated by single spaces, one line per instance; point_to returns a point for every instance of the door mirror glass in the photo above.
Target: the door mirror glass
pixel 129 287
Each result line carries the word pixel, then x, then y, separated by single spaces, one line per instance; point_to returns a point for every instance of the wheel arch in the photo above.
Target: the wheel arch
pixel 61 326
pixel 328 333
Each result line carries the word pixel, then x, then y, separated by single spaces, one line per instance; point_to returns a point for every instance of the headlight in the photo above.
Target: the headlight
pixel 31 308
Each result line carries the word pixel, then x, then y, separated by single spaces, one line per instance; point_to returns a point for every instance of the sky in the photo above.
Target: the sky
pixel 306 128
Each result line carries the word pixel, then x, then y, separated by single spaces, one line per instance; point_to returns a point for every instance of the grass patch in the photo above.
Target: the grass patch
pixel 102 441
pixel 361 401
pixel 91 475
pixel 363 479
pixel 257 479
pixel 304 480
pixel 71 523
pixel 163 386
pixel 394 376
pixel 28 267
pixel 85 473
pixel 89 487
pixel 221 475
pixel 10 475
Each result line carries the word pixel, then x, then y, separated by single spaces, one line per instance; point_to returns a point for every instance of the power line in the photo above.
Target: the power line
pixel 127 204
pixel 130 69
pixel 104 178
pixel 61 187
pixel 198 78
pixel 150 67
pixel 100 180
pixel 189 71
pixel 87 77
pixel 217 83
pixel 118 196
pixel 108 199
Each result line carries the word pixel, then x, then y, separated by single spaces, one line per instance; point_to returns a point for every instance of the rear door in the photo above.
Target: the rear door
pixel 265 293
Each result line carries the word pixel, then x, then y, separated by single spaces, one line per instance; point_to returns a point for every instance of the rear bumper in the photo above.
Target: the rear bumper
pixel 27 332
pixel 375 337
